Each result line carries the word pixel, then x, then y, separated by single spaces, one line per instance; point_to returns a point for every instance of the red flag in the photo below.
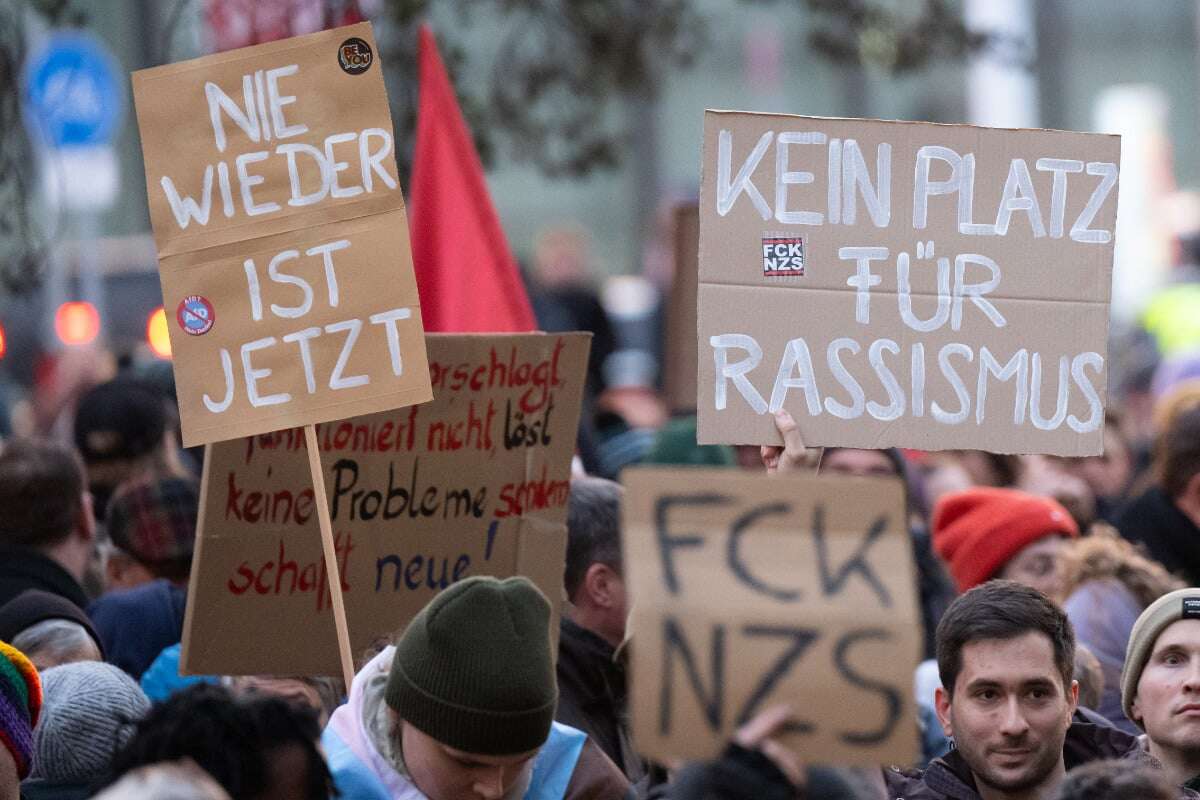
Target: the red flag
pixel 466 274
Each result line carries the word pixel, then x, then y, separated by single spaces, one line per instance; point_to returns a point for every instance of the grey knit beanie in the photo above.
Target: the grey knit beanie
pixel 88 711
pixel 1158 616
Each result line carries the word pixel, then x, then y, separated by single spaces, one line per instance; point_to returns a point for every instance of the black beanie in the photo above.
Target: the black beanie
pixel 474 670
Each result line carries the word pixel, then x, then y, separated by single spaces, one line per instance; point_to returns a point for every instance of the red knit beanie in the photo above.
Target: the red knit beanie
pixel 978 530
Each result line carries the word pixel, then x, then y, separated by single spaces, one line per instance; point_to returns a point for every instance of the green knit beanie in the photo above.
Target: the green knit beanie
pixel 474 669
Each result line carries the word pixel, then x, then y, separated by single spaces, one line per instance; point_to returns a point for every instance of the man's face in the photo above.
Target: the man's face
pixel 858 463
pixel 443 773
pixel 1009 713
pixel 1038 565
pixel 1168 694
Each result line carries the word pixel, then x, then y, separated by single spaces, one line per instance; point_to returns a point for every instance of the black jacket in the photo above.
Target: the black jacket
pixel 949 777
pixel 1169 536
pixel 23 568
pixel 592 695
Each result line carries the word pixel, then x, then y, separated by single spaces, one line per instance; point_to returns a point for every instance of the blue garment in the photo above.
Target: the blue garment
pixel 162 678
pixel 552 767
pixel 137 624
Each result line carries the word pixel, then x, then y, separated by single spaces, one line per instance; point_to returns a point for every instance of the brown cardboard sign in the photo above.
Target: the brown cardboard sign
pixel 473 483
pixel 749 591
pixel 283 245
pixel 904 284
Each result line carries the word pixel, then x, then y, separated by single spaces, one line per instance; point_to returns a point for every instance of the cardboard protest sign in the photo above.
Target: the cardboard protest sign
pixel 473 483
pixel 281 233
pixel 679 363
pixel 904 284
pixel 749 591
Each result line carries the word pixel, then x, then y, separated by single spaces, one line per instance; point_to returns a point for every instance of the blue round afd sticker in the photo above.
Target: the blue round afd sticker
pixel 195 315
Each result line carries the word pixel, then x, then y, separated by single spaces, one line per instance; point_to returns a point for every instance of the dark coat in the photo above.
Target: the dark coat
pixel 592 695
pixel 949 777
pixel 137 624
pixel 1169 536
pixel 23 568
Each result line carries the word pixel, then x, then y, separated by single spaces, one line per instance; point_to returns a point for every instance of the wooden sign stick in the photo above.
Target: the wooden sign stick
pixel 331 565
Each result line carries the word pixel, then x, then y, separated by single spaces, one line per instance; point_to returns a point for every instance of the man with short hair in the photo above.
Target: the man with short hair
pixel 152 533
pixel 592 692
pixel 463 707
pixel 47 528
pixel 1006 656
pixel 1160 683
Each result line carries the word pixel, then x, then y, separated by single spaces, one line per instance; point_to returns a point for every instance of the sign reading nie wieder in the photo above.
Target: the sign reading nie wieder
pixel 281 233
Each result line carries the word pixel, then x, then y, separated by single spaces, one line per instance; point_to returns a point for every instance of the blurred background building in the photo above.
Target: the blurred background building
pixel 589 117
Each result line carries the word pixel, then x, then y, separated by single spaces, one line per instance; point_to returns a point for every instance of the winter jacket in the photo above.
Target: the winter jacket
pixel 569 766
pixel 1169 536
pixel 23 568
pixel 949 777
pixel 592 695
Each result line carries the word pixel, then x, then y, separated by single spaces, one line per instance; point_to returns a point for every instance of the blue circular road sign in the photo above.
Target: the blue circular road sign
pixel 72 94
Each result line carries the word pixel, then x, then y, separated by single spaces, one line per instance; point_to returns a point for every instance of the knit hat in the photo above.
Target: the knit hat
pixel 33 606
pixel 474 670
pixel 20 703
pixel 978 530
pixel 154 519
pixel 90 711
pixel 1172 607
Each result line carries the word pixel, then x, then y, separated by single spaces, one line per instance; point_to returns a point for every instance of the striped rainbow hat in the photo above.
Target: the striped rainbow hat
pixel 20 704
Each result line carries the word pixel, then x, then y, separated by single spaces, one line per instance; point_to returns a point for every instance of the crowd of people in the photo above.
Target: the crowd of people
pixel 1061 647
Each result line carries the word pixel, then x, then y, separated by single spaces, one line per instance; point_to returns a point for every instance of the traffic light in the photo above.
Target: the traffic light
pixel 3 342
pixel 157 335
pixel 77 322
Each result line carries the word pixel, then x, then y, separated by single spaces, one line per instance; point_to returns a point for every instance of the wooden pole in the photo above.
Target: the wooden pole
pixel 331 564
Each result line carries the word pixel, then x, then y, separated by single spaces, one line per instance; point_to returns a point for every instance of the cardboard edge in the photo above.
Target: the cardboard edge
pixel 907 122
pixel 189 613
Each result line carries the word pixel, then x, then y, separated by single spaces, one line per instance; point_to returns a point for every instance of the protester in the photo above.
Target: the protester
pixel 463 703
pixel 258 748
pixel 1116 780
pixel 20 705
pixel 1108 474
pixel 1160 685
pixel 1006 655
pixel 152 532
pixel 320 694
pixel 1108 583
pixel 47 530
pixel 121 432
pixel 591 679
pixel 1166 516
pixel 89 711
pixel 167 781
pixel 49 629
pixel 986 533
pixel 757 766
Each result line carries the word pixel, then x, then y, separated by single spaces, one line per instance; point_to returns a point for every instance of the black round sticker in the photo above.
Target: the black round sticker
pixel 355 56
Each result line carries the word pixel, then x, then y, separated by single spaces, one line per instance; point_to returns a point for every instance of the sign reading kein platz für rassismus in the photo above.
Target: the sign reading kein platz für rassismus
pixel 281 233
pixel 904 284
pixel 752 592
